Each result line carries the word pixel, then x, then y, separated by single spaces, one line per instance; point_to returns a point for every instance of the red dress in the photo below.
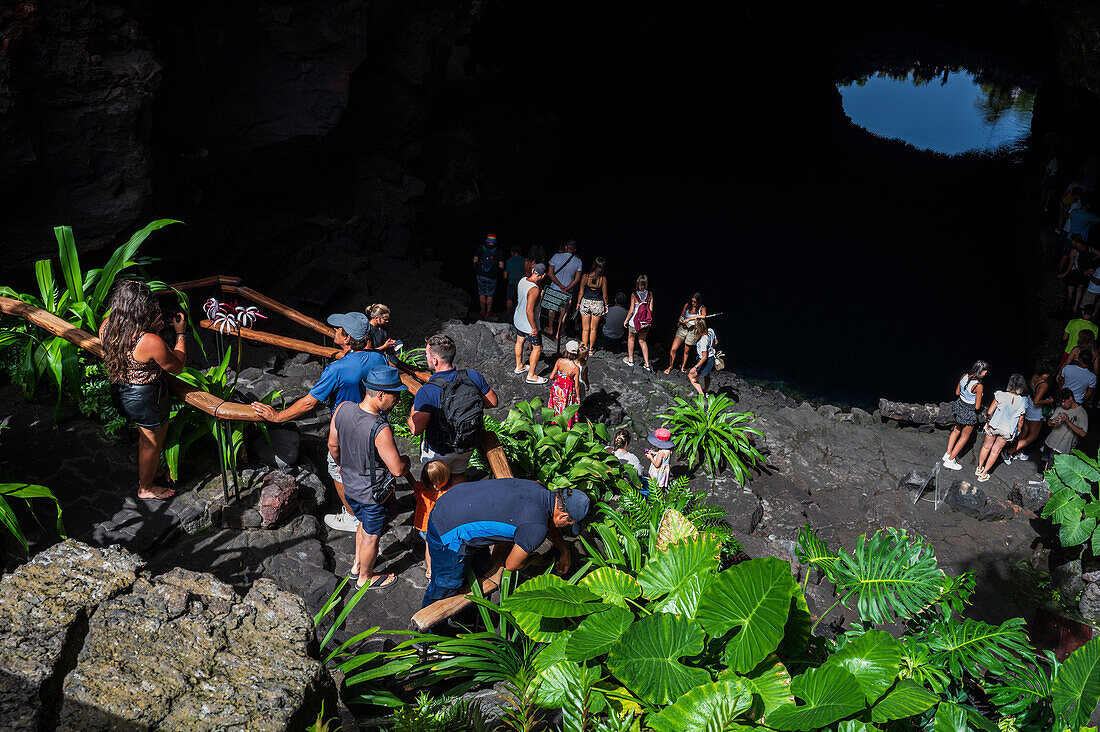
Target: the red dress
pixel 563 392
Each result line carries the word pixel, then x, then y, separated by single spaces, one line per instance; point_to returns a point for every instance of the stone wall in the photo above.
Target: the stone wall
pixel 90 642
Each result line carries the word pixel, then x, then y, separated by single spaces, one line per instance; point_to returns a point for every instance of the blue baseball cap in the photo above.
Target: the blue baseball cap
pixel 354 324
pixel 385 378
pixel 578 506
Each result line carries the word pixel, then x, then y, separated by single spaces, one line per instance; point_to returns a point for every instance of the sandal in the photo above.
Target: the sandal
pixel 536 380
pixel 379 582
pixel 520 370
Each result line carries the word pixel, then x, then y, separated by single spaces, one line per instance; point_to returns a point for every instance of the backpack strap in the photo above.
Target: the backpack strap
pixel 373 452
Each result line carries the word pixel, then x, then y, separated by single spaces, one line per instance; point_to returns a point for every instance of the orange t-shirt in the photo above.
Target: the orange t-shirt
pixel 425 499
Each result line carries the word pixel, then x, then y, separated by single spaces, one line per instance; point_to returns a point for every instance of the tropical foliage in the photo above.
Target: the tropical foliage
pixel 79 297
pixel 645 515
pixel 707 432
pixel 1073 505
pixel 26 492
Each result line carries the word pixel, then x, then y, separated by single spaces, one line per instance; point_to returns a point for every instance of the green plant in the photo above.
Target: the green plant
pixel 440 714
pixel 399 419
pixel 323 725
pixel 25 491
pixel 82 302
pixel 1073 505
pixel 644 514
pixel 415 357
pixel 540 444
pixel 95 397
pixel 707 433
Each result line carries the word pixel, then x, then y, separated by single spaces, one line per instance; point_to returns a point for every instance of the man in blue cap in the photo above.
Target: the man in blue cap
pixel 360 441
pixel 513 514
pixel 341 381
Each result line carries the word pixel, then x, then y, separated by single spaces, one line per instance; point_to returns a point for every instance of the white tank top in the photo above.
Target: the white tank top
pixel 965 392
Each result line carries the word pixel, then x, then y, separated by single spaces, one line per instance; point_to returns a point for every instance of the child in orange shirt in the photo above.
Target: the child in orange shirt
pixel 434 482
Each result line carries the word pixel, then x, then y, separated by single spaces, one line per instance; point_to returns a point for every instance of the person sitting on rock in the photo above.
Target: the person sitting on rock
pixel 1006 419
pixel 360 441
pixel 614 325
pixel 341 381
pixel 525 322
pixel 965 411
pixel 514 514
pixel 1070 423
pixel 447 410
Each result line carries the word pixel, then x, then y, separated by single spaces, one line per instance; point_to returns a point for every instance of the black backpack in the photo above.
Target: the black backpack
pixel 460 419
pixel 487 260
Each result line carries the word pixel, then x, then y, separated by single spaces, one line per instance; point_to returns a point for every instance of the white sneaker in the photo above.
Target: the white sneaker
pixel 952 464
pixel 1020 456
pixel 946 457
pixel 342 521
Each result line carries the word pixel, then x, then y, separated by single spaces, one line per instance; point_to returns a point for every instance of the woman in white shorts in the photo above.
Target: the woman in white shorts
pixel 1006 417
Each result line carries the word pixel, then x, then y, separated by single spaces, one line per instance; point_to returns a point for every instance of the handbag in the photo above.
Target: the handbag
pixel 719 361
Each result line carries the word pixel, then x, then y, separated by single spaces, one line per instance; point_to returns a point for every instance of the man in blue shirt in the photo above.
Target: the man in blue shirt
pixel 341 381
pixel 515 515
pixel 424 418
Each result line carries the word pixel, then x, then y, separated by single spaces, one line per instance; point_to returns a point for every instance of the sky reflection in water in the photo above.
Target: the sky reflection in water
pixel 951 113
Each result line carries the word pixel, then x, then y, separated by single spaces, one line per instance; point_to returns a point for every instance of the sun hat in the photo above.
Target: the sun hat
pixel 578 506
pixel 354 324
pixel 661 438
pixel 539 269
pixel 384 378
pixel 491 239
pixel 572 346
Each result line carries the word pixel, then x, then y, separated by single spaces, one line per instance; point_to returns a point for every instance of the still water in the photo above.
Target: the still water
pixel 952 113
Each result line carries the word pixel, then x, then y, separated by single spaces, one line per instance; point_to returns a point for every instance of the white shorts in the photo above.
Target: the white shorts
pixel 333 469
pixel 456 461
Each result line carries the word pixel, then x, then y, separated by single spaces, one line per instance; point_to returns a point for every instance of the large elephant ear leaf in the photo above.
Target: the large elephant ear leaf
pixel 950 718
pixel 612 585
pixel 852 725
pixel 553 597
pixel 831 693
pixel 906 699
pixel 712 706
pixel 874 659
pixel 892 575
pixel 646 658
pixel 674 527
pixel 1075 472
pixel 1076 688
pixel 598 633
pixel 755 598
pixel 670 570
pixel 770 684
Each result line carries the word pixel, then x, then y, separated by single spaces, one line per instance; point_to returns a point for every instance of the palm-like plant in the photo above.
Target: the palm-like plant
pixel 709 433
pixel 26 492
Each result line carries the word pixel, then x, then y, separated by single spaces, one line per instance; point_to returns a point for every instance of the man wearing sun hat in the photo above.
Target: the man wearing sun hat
pixel 360 441
pixel 488 264
pixel 341 381
pixel 660 460
pixel 513 514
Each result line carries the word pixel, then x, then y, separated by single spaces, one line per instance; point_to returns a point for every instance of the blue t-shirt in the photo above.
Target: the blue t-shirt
pixel 342 381
pixel 427 399
pixel 487 511
pixel 1080 221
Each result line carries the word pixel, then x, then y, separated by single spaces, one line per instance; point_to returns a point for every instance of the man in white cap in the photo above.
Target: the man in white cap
pixel 341 381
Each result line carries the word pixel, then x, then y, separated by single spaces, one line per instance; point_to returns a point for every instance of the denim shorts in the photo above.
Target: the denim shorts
pixel 707 367
pixel 486 286
pixel 535 340
pixel 373 516
pixel 146 405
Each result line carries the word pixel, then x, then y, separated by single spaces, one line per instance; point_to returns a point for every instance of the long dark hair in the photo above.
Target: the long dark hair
pixel 133 311
pixel 598 265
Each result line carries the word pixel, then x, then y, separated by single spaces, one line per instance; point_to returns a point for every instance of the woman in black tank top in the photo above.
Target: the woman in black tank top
pixel 593 303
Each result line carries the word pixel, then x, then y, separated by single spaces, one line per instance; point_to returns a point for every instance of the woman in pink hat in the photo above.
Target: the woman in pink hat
pixel 660 460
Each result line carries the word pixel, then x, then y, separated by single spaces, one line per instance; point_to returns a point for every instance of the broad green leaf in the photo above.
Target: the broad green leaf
pixel 1064 503
pixel 47 288
pixel 965 644
pixel 1076 688
pixel 830 693
pixel 1055 483
pixel 674 527
pixel 873 658
pixel 1075 530
pixel 754 597
pixel 121 259
pixel 646 658
pixel 906 699
pixel 9 520
pixel 771 683
pixel 612 585
pixel 552 597
pixel 1075 472
pixel 553 652
pixel 538 628
pixel 712 706
pixel 950 718
pixel 70 263
pixel 555 684
pixel 598 633
pixel 813 551
pixel 670 570
pixel 852 725
pixel 797 632
pixel 684 600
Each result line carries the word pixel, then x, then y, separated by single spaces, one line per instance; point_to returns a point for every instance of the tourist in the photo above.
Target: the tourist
pixel 965 411
pixel 705 341
pixel 514 271
pixel 377 337
pixel 360 441
pixel 564 274
pixel 565 381
pixel 1039 398
pixel 638 320
pixel 1006 419
pixel 1069 424
pixel 514 514
pixel 434 481
pixel 582 361
pixel 488 264
pixel 525 322
pixel 621 449
pixel 341 381
pixel 1086 343
pixel 685 336
pixel 594 304
pixel 448 409
pixel 614 325
pixel 660 460
pixel 1072 270
pixel 137 359
pixel 1084 322
pixel 1079 377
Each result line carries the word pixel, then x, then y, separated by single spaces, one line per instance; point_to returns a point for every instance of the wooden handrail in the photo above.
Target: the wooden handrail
pixel 271 339
pixel 197 398
pixel 448 607
pixel 285 310
pixel 206 282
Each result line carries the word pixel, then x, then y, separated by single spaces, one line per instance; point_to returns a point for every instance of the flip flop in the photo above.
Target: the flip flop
pixel 520 370
pixel 536 380
pixel 379 582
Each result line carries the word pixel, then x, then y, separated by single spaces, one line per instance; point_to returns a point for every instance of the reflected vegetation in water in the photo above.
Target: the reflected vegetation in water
pixel 949 111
